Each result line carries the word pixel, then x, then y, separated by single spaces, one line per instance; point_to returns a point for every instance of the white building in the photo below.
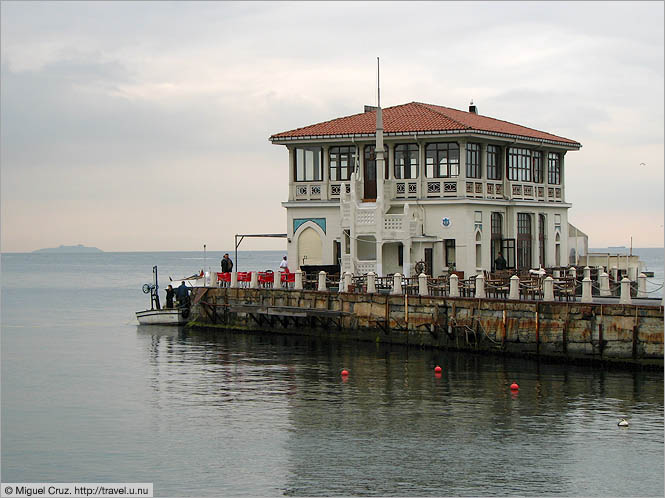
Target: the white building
pixel 454 189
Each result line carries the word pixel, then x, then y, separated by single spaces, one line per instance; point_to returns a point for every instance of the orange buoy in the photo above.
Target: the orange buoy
pixel 514 386
pixel 345 373
pixel 437 369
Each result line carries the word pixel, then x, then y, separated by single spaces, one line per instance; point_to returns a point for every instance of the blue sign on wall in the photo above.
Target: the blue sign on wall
pixel 297 222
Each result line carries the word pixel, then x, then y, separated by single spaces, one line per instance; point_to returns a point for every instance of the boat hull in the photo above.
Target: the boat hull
pixel 171 316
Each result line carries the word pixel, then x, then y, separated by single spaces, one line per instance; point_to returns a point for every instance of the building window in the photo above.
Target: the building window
pixel 473 161
pixel 523 241
pixel 406 161
pixel 553 169
pixel 493 162
pixel 519 164
pixel 370 157
pixel 449 254
pixel 442 160
pixel 537 164
pixel 497 235
pixel 309 164
pixel 342 160
pixel 400 255
pixel 541 239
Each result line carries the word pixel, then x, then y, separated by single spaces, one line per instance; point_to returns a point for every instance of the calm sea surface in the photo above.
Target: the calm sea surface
pixel 89 396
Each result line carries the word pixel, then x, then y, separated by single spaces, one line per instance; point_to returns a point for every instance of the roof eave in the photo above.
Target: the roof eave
pixel 352 136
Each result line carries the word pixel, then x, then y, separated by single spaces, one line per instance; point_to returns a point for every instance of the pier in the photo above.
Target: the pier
pixel 517 319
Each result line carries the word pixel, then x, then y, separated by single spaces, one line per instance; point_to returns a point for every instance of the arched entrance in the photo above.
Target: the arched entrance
pixel 309 247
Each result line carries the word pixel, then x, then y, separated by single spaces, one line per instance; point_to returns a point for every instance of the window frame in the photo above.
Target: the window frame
pixel 409 151
pixel 554 168
pixel 518 165
pixel 304 170
pixel 341 173
pixel 436 151
pixel 493 166
pixel 473 168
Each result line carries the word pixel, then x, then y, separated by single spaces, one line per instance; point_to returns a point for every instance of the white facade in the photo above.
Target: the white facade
pixel 442 221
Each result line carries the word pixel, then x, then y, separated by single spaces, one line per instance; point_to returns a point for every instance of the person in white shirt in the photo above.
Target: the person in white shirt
pixel 284 265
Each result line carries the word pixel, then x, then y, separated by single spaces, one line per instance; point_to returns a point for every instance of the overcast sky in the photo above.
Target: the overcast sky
pixel 144 126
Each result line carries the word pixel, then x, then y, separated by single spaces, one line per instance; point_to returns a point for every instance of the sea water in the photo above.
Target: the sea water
pixel 90 396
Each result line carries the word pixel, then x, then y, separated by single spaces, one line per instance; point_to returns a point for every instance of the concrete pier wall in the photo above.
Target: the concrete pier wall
pixel 569 331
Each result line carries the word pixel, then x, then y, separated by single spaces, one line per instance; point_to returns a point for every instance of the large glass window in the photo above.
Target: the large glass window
pixel 473 161
pixel 308 164
pixel 342 160
pixel 553 169
pixel 441 160
pixel 493 162
pixel 523 241
pixel 370 157
pixel 449 254
pixel 406 161
pixel 542 230
pixel 496 236
pixel 537 163
pixel 519 164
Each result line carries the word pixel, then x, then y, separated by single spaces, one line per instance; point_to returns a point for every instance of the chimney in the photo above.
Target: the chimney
pixel 473 108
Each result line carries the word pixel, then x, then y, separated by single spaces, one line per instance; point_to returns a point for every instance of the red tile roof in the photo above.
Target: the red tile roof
pixel 419 117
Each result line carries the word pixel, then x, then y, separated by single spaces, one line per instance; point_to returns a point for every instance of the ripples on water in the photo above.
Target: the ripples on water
pixel 89 396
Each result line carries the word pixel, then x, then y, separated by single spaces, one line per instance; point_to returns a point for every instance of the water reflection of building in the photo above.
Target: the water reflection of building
pixel 450 188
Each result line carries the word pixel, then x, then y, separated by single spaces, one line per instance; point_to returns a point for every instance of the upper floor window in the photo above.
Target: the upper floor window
pixel 370 157
pixel 308 164
pixel 342 160
pixel 519 164
pixel 493 162
pixel 406 161
pixel 537 163
pixel 472 160
pixel 442 160
pixel 553 168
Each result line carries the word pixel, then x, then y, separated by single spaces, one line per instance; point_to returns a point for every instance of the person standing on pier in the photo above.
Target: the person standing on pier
pixel 170 292
pixel 182 294
pixel 227 264
pixel 284 265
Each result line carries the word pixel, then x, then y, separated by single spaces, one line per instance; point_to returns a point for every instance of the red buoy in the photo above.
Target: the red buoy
pixel 514 386
pixel 437 369
pixel 345 373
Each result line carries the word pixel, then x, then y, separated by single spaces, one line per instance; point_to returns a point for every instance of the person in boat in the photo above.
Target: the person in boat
pixel 170 293
pixel 182 294
pixel 500 262
pixel 227 264
pixel 284 265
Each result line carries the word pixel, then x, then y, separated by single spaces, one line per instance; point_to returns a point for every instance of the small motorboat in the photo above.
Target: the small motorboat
pixel 157 315
pixel 164 316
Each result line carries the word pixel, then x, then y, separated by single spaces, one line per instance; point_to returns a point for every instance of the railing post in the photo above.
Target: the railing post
pixel 548 289
pixel 453 281
pixel 397 284
pixel 254 280
pixel 347 281
pixel 371 283
pixel 632 273
pixel 298 280
pixel 557 273
pixel 587 273
pixel 342 282
pixel 514 288
pixel 642 285
pixel 277 280
pixel 480 286
pixel 573 272
pixel 234 279
pixel 615 273
pixel 322 281
pixel 625 291
pixel 586 289
pixel 422 284
pixel 605 284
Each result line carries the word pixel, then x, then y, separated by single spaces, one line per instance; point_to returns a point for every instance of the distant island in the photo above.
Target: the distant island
pixel 79 248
